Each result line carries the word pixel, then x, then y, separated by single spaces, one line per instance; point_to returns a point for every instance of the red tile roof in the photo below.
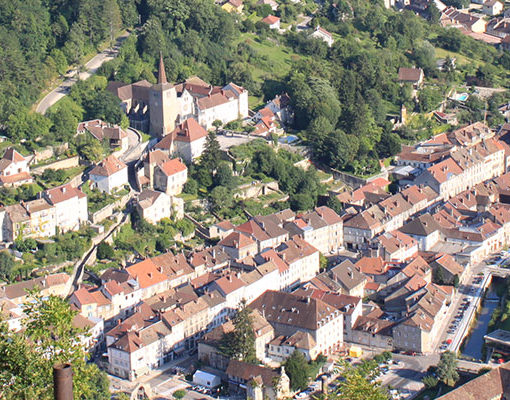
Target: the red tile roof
pixel 109 166
pixel 173 167
pixel 147 273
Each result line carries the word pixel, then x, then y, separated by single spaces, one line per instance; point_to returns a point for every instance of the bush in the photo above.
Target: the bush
pixel 105 251
pixel 179 394
pixel 430 381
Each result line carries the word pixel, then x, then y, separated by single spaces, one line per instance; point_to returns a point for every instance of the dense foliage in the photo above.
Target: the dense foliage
pixel 40 39
pixel 27 357
pixel 300 370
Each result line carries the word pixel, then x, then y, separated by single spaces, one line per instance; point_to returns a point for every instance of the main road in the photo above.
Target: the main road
pixel 72 76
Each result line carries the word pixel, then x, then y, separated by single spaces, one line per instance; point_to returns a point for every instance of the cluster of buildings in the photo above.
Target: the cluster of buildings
pixel 487 21
pixel 160 108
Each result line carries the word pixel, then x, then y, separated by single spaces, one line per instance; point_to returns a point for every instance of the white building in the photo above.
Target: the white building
pixel 70 206
pixel 324 35
pixel 110 174
pixel 154 206
pixel 14 169
pixel 187 141
pixel 170 177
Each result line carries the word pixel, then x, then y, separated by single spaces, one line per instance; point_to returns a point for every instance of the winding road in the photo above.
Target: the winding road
pixel 71 77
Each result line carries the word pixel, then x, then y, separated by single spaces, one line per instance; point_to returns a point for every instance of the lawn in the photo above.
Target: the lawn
pixel 442 53
pixel 274 59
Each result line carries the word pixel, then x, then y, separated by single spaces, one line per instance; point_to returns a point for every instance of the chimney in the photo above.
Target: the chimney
pixel 62 382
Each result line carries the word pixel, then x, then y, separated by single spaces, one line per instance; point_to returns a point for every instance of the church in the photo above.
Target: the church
pixel 158 109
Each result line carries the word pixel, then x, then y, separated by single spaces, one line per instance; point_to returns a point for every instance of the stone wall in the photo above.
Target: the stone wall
pixel 61 164
pixel 107 211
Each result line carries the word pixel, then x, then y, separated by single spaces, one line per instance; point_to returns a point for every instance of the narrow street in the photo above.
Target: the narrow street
pixel 70 78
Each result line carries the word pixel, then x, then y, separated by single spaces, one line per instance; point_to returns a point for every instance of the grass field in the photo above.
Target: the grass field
pixel 442 53
pixel 275 59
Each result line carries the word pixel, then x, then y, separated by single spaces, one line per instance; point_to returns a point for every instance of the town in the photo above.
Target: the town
pixel 271 229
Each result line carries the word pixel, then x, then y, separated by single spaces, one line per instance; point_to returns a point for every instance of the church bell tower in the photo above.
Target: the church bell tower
pixel 163 104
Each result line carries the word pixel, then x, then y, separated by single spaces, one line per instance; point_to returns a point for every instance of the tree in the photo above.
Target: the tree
pixel 360 383
pixel 217 124
pixel 447 368
pixel 105 251
pixel 211 155
pixel 239 344
pixel 335 204
pixel 27 357
pixel 221 198
pixel 191 187
pixel 104 105
pixel 6 265
pixel 296 367
pixel 92 151
pixel 224 177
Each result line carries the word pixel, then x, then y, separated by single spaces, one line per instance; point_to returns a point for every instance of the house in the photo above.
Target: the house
pixel 272 21
pixel 418 332
pixel 289 313
pixel 344 278
pixel 361 228
pixel 14 169
pixel 208 347
pixel 494 384
pixel 258 382
pixel 350 306
pixel 373 267
pixel 238 245
pixel 272 3
pixel 187 140
pixel 70 206
pixel 12 314
pixel 446 178
pixel 302 260
pixel 170 177
pixel 322 228
pixel 149 277
pixel 396 246
pixel 109 174
pixel 54 284
pixel 444 118
pixel 114 135
pixel 324 35
pixel 446 268
pixel 425 230
pixel 282 347
pixel 142 342
pixel 153 206
pixel 109 302
pixel 31 219
pixel 492 7
pixel 281 108
pixel 264 231
pixel 373 332
pixel 233 6
pixel 413 76
pixel 458 19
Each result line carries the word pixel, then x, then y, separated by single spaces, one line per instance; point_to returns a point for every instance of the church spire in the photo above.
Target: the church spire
pixel 161 72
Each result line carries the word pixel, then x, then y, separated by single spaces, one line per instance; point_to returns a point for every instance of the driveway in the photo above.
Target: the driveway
pixel 71 78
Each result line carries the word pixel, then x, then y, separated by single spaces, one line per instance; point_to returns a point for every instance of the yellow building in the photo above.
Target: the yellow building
pixel 233 6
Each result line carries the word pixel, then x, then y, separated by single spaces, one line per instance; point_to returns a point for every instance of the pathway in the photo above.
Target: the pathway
pixel 71 77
